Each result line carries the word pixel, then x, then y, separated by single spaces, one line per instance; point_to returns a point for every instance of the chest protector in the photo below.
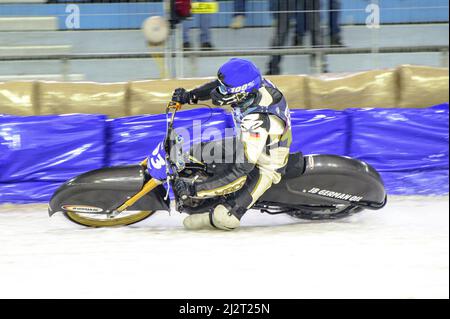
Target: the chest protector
pixel 268 101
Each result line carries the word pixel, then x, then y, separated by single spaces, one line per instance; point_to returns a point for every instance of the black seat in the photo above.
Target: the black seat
pixel 296 165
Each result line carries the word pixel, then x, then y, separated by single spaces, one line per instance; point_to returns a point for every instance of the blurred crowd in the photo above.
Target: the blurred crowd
pixel 306 14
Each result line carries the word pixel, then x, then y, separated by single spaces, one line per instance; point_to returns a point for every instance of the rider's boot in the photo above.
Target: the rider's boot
pixel 221 218
pixel 197 221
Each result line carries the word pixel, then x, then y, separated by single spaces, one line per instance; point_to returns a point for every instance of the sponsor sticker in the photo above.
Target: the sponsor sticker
pixel 242 87
pixel 82 209
pixel 337 195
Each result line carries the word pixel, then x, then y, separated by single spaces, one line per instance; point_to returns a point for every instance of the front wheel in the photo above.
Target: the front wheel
pixel 96 220
pixel 338 213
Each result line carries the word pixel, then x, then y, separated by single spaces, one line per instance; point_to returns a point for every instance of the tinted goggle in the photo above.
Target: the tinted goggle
pixel 223 89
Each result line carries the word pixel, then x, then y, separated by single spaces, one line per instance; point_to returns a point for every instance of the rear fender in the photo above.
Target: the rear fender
pixel 330 180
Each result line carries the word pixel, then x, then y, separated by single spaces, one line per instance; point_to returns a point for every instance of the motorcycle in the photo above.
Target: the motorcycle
pixel 314 187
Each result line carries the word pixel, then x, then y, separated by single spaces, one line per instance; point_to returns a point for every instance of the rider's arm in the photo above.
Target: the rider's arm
pixel 254 134
pixel 203 92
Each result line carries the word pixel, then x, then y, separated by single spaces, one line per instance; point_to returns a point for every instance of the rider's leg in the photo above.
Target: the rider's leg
pixel 220 218
pixel 227 216
pixel 269 167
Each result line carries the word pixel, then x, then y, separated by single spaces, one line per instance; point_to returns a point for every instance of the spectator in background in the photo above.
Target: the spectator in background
pixel 205 32
pixel 334 22
pixel 239 15
pixel 307 16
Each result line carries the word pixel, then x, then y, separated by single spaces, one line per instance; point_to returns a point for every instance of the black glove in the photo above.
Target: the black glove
pixel 183 189
pixel 182 96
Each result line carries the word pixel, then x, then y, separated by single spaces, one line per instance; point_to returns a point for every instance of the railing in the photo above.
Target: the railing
pixel 317 56
pixel 363 25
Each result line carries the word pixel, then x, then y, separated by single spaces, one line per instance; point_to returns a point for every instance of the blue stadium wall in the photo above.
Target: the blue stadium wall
pixel 409 147
pixel 132 15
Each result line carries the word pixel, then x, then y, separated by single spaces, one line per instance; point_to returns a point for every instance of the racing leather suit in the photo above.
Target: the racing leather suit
pixel 263 137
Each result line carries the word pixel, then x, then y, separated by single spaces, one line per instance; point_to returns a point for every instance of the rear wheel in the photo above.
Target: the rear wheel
pixel 329 214
pixel 100 220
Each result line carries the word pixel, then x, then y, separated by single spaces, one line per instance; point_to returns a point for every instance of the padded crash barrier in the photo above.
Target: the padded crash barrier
pixel 132 138
pixel 406 86
pixel 50 148
pixel 409 147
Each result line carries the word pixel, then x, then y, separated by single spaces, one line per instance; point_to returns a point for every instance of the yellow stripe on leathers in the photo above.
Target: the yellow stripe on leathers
pixel 224 190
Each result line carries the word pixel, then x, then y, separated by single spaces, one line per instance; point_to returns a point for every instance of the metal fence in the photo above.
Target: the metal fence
pixel 280 36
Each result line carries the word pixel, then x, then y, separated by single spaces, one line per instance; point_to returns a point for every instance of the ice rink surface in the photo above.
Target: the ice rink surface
pixel 401 251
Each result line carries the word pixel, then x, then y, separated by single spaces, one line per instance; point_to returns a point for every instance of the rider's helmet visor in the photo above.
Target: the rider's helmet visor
pixel 223 89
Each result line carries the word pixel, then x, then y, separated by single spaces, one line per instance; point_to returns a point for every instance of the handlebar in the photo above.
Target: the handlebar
pixel 168 143
pixel 174 105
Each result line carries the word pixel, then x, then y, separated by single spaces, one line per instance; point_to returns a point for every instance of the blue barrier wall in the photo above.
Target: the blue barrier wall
pixel 37 153
pixel 409 147
pixel 131 15
pixel 144 132
pixel 50 148
pixel 400 139
pixel 319 131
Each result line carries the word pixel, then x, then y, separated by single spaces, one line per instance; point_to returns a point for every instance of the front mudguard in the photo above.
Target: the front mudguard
pixel 104 190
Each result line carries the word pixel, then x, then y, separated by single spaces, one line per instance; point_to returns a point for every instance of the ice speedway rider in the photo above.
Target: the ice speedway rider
pixel 262 118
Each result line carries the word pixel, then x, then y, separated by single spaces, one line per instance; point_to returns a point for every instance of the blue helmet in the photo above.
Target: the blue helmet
pixel 239 76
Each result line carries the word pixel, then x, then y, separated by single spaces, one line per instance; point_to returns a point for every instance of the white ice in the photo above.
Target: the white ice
pixel 401 251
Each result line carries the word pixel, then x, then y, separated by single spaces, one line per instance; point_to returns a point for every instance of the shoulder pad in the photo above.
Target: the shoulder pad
pixel 275 93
